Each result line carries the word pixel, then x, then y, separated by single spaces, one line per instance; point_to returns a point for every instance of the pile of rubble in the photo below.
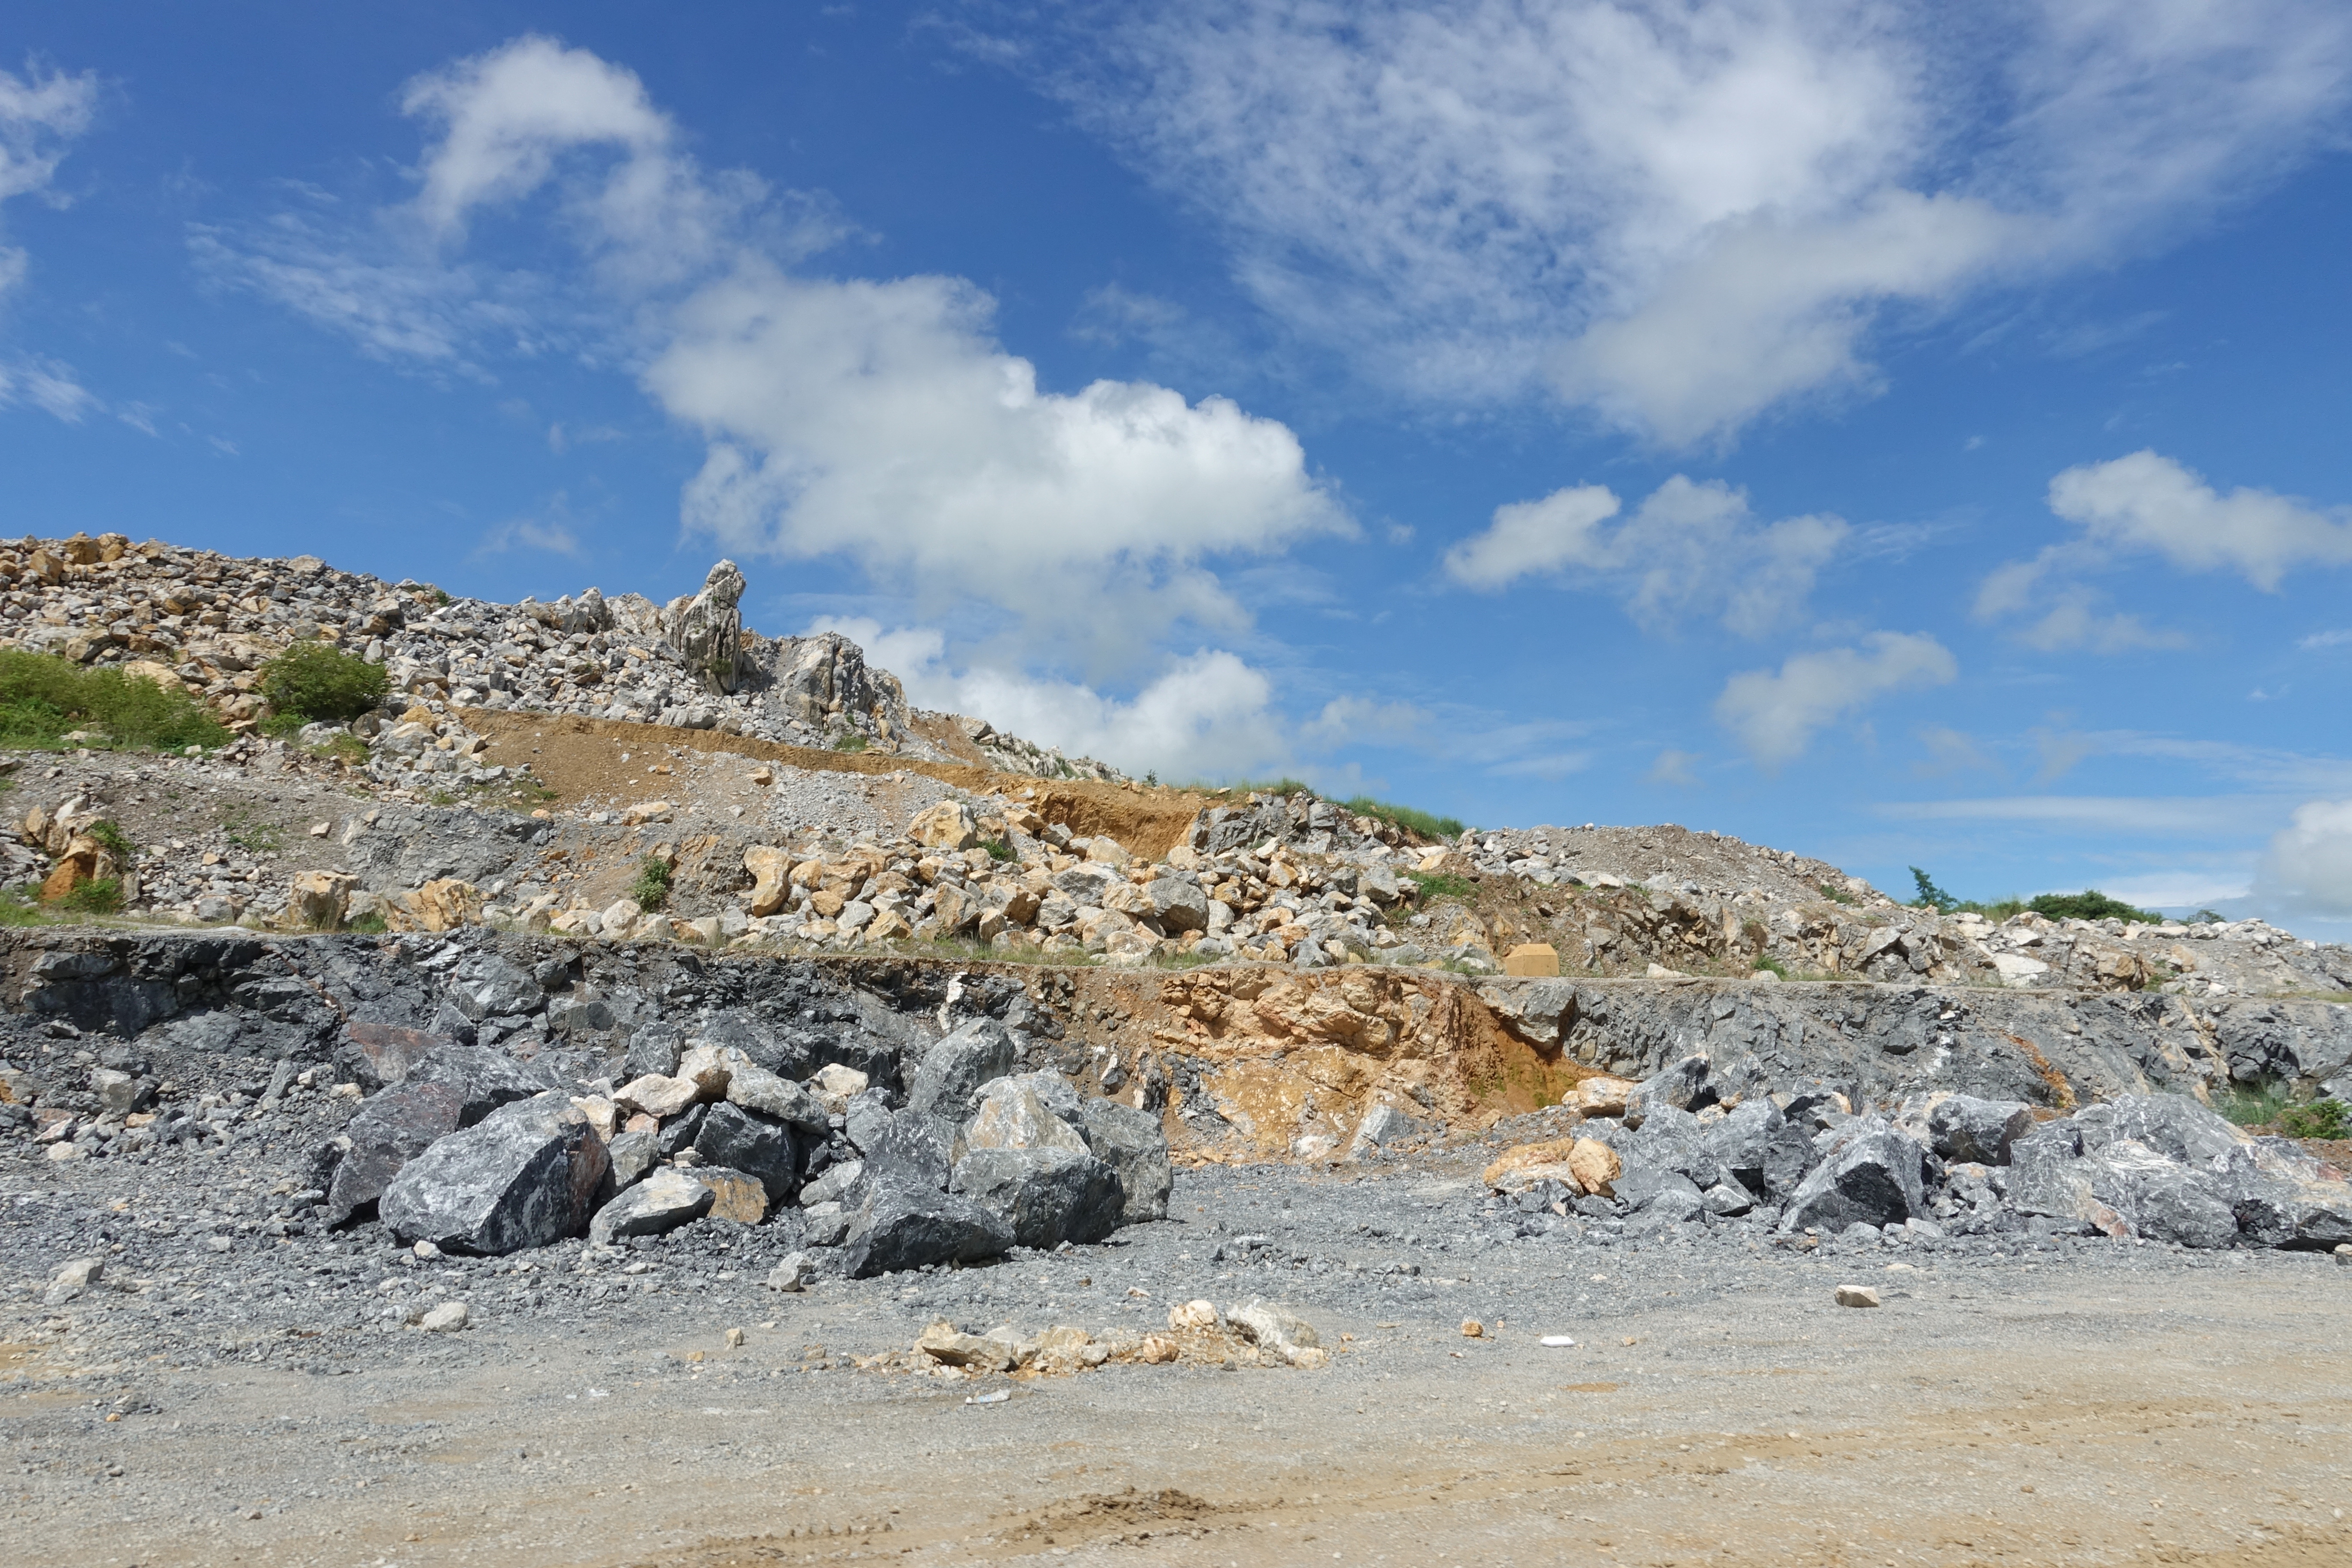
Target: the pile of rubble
pixel 1253 1333
pixel 1706 1141
pixel 208 621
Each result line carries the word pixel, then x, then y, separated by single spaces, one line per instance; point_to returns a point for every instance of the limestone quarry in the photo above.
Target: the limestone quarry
pixel 636 1041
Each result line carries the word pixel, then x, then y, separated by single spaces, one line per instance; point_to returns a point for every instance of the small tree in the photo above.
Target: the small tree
pixel 320 683
pixel 1931 897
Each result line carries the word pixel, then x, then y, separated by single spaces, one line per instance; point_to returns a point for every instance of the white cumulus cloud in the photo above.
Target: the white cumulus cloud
pixel 2307 870
pixel 1692 548
pixel 1206 716
pixel 874 420
pixel 1680 212
pixel 41 113
pixel 2150 502
pixel 1776 715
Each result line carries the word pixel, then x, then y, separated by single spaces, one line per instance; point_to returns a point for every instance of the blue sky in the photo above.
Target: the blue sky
pixel 1904 442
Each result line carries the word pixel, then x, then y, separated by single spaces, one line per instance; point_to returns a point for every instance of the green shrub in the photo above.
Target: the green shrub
pixel 44 698
pixel 1835 895
pixel 2321 1119
pixel 321 684
pixel 1410 819
pixel 2091 905
pixel 651 890
pixel 369 925
pixel 102 895
pixel 1774 964
pixel 1438 885
pixel 997 849
pixel 111 837
pixel 1932 897
pixel 853 741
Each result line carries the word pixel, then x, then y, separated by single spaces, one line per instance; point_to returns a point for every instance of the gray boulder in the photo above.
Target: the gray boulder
pixel 953 1070
pixel 496 988
pixel 661 1202
pixel 1177 905
pixel 755 1089
pixel 2174 1125
pixel 1763 1149
pixel 632 1156
pixel 1131 1144
pixel 484 1078
pixel 2282 1196
pixel 867 1115
pixel 906 1153
pixel 526 1176
pixel 1869 1174
pixel 754 1145
pixel 1962 1127
pixel 389 1130
pixel 1680 1086
pixel 1647 1187
pixel 2158 1198
pixel 1678 1141
pixel 904 1226
pixel 1048 1194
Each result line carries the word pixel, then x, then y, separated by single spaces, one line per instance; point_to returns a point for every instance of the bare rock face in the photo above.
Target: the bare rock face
pixel 818 679
pixel 709 632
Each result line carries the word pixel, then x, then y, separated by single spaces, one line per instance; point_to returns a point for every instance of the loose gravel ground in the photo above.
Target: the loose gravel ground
pixel 2051 1400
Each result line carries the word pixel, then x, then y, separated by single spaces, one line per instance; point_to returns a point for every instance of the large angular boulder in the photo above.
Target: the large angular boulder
pixel 2282 1196
pixel 1047 1193
pixel 484 1078
pixel 757 1145
pixel 389 1130
pixel 1027 1110
pixel 526 1176
pixel 1962 1127
pixel 1177 904
pixel 1659 1192
pixel 1761 1149
pixel 1680 1086
pixel 757 1090
pixel 2160 1197
pixel 953 1070
pixel 1131 1142
pixel 1869 1174
pixel 665 1200
pixel 905 1151
pixel 1678 1141
pixel 905 1227
pixel 2174 1125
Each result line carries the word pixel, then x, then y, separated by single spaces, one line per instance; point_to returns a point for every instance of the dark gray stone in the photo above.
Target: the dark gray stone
pixel 526 1176
pixel 663 1201
pixel 954 1069
pixel 389 1130
pixel 2174 1125
pixel 1644 1186
pixel 680 1131
pixel 654 1048
pixel 1048 1195
pixel 1870 1173
pixel 633 1154
pixel 1133 1144
pixel 901 1226
pixel 2158 1198
pixel 756 1145
pixel 484 1078
pixel 1962 1127
pixel 377 1055
pixel 906 1152
pixel 867 1115
pixel 491 987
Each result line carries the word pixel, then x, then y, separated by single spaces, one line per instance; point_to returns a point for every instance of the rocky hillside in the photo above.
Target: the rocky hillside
pixel 616 769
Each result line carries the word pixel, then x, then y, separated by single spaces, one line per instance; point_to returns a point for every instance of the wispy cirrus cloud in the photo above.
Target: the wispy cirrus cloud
pixel 1679 215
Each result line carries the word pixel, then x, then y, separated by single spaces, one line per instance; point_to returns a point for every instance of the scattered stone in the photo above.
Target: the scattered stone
pixel 72 1279
pixel 1856 1295
pixel 526 1176
pixel 445 1319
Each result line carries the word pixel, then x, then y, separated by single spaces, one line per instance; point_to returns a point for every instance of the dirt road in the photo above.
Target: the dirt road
pixel 2064 1411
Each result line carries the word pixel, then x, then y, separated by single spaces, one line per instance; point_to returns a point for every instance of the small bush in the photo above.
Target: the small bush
pixel 102 896
pixel 44 698
pixel 651 890
pixel 1835 895
pixel 2321 1119
pixel 318 683
pixel 369 925
pixel 1438 885
pixel 111 835
pixel 1410 819
pixel 997 849
pixel 1774 964
pixel 853 741
pixel 2091 905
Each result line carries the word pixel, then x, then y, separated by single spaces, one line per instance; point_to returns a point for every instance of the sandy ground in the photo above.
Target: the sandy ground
pixel 2065 1410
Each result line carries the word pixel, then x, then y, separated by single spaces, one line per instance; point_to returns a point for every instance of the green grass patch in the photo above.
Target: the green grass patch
pixel 111 838
pixel 21 906
pixel 100 896
pixel 44 698
pixel 2252 1105
pixel 853 741
pixel 2328 1119
pixel 651 890
pixel 1835 895
pixel 1440 885
pixel 1283 787
pixel 1410 818
pixel 997 850
pixel 247 829
pixel 369 925
pixel 1774 964
pixel 318 683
